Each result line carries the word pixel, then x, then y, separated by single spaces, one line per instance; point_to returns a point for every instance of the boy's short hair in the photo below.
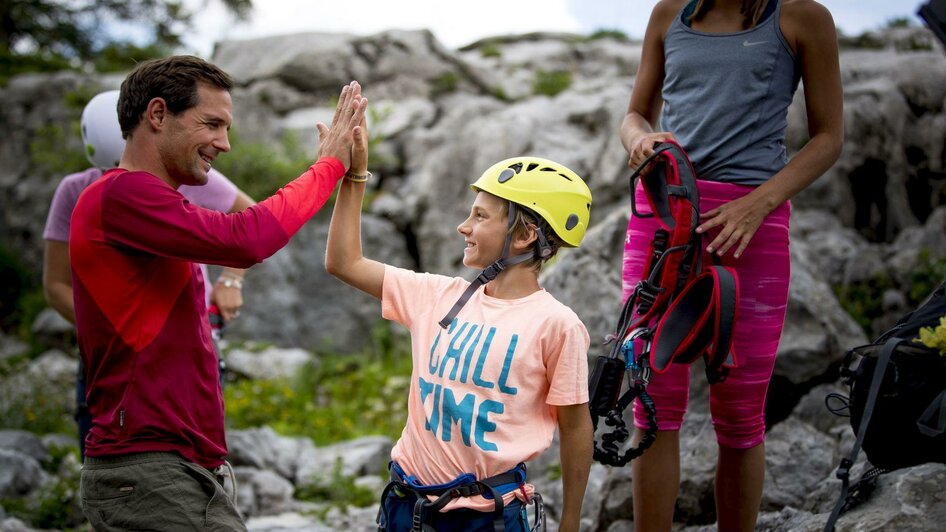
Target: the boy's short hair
pixel 172 78
pixel 520 226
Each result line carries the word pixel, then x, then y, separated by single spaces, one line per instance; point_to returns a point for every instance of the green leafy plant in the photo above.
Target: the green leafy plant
pixel 57 152
pixel 551 83
pixel 608 33
pixel 124 56
pixel 863 300
pixel 934 337
pixel 928 274
pixel 445 83
pixel 490 49
pixel 261 169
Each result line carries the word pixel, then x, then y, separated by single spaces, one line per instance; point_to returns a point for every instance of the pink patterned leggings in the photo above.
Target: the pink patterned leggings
pixel 737 404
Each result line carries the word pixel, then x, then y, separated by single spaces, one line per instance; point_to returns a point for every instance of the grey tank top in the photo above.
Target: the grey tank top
pixel 726 97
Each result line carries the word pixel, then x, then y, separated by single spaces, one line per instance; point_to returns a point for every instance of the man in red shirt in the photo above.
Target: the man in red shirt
pixel 157 438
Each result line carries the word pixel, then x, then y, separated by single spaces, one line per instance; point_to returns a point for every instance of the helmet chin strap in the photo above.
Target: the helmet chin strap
pixel 494 269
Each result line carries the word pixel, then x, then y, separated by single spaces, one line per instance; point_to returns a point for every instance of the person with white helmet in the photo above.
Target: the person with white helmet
pixel 102 138
pixel 497 363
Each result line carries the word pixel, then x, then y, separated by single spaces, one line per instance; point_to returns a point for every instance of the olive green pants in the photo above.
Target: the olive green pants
pixel 154 491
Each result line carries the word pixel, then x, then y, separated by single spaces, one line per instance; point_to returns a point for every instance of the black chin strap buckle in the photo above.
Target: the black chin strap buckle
pixel 491 272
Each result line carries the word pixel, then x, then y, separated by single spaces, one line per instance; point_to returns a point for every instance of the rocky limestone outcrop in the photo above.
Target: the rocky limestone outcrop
pixel 443 116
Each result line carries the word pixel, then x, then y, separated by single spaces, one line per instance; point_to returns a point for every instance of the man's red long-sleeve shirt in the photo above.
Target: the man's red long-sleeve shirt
pixel 150 365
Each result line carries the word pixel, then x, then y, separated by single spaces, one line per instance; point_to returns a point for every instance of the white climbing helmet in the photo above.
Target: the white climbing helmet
pixel 101 134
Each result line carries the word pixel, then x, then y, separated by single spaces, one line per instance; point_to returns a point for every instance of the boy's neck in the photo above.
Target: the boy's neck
pixel 516 282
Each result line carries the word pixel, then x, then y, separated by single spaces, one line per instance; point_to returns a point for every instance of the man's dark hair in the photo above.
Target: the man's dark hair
pixel 173 78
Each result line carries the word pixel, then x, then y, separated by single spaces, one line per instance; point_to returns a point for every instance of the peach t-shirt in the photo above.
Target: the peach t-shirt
pixel 483 391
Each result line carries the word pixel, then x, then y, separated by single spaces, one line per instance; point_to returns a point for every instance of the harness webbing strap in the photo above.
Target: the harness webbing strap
pixel 844 470
pixel 465 485
pixel 699 322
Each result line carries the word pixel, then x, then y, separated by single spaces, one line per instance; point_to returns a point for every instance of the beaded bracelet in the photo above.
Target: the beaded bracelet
pixel 354 178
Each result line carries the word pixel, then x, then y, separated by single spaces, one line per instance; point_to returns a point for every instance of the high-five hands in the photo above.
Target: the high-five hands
pixel 337 141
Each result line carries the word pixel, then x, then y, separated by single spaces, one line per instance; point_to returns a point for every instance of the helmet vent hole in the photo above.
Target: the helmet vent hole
pixel 531 167
pixel 516 167
pixel 571 222
pixel 547 169
pixel 506 175
pixel 566 177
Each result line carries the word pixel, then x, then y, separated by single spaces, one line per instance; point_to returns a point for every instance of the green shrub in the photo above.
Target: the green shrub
pixel 445 84
pixel 863 300
pixel 261 169
pixel 56 152
pixel 12 64
pixel 608 33
pixel 490 49
pixel 928 274
pixel 899 22
pixel 318 403
pixel 124 56
pixel 551 83
pixel 34 403
pixel 16 283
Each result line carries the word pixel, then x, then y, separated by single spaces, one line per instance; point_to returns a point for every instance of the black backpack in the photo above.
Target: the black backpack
pixel 897 402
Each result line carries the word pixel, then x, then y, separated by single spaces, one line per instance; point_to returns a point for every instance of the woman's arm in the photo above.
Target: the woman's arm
pixel 808 26
pixel 57 279
pixel 576 448
pixel 229 299
pixel 637 130
pixel 343 257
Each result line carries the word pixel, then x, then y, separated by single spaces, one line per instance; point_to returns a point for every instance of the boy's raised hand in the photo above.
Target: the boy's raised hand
pixel 336 141
pixel 359 150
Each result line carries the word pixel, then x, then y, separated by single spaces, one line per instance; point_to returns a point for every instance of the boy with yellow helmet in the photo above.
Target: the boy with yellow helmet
pixel 498 363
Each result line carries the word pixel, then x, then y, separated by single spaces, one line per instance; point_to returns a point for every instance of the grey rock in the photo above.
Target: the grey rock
pixel 588 279
pixel 11 347
pixel 12 524
pixel 50 323
pixel 817 330
pixel 271 363
pixel 363 456
pixel 262 448
pixel 262 492
pixel 911 500
pixel 811 408
pixel 24 442
pixel 19 474
pixel 798 458
pixel 287 522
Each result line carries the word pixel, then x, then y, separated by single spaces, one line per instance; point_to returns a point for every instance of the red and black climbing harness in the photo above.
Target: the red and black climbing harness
pixel 678 312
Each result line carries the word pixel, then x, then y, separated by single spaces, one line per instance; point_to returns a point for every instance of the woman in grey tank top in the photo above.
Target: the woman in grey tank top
pixel 719 75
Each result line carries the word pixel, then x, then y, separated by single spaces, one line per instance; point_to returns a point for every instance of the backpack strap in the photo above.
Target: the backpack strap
pixel 932 422
pixel 844 470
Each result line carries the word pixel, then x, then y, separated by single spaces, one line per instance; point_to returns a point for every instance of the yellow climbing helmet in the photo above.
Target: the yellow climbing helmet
pixel 547 188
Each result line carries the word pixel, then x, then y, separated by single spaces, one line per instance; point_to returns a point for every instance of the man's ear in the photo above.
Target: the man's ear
pixel 156 113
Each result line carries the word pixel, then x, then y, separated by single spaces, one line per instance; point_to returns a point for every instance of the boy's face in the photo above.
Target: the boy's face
pixel 484 231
